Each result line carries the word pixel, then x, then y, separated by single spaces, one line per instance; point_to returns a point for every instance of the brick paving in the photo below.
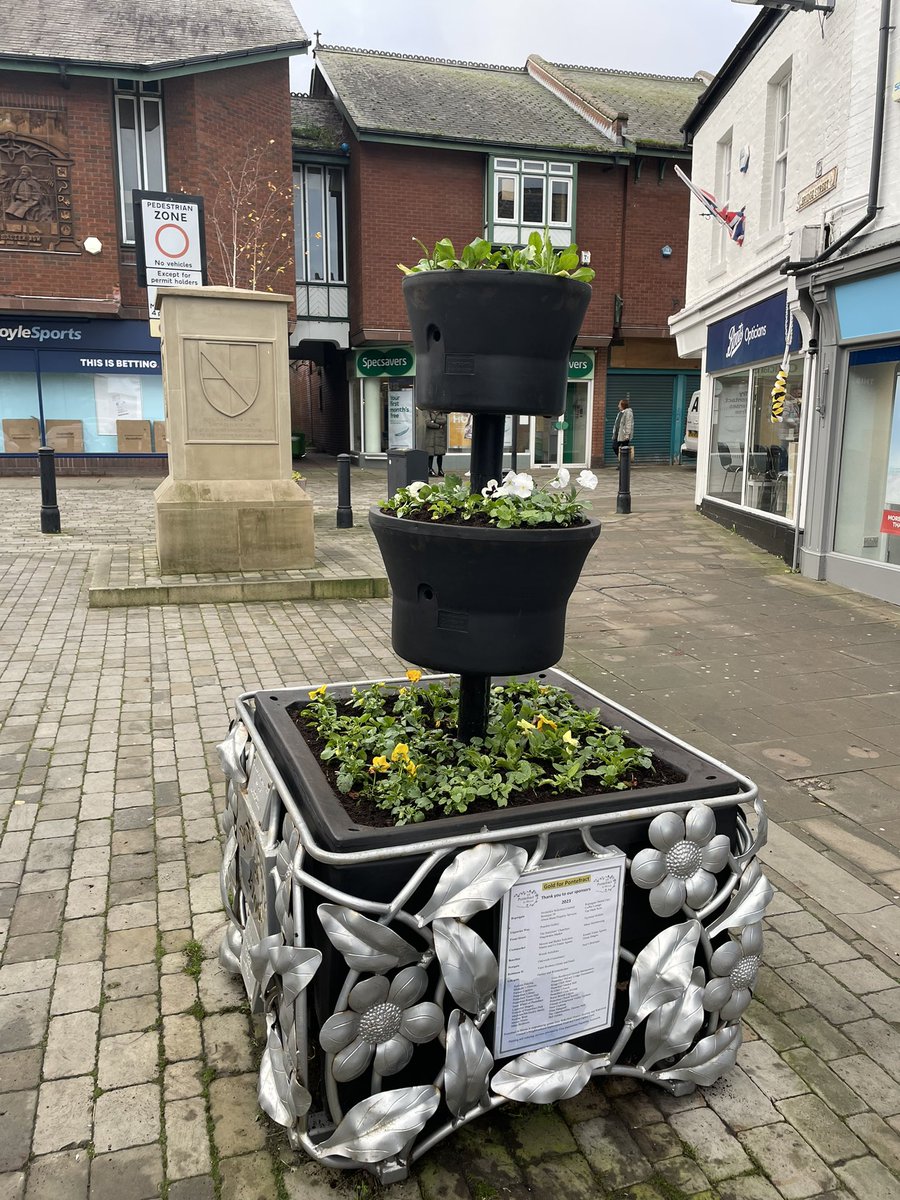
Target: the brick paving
pixel 127 1059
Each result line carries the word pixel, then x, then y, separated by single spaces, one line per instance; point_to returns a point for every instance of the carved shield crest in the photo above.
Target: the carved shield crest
pixel 229 376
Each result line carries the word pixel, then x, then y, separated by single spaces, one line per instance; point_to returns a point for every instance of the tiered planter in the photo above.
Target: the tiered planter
pixel 388 962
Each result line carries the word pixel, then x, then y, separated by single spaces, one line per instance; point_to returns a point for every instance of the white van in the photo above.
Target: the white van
pixel 691 432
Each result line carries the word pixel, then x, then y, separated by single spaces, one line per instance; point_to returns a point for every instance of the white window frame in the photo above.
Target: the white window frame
pixel 301 225
pixel 781 109
pixel 521 170
pixel 142 96
pixel 724 153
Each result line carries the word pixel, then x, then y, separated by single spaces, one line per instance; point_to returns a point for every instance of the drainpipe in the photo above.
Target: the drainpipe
pixel 791 268
pixel 805 431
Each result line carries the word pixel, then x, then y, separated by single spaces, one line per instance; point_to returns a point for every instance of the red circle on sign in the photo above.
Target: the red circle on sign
pixel 169 253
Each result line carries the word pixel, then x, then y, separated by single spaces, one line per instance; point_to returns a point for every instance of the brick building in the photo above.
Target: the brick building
pixel 388 147
pixel 173 98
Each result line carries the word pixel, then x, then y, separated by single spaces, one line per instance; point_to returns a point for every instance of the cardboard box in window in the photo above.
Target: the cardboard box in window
pixel 21 435
pixel 66 437
pixel 133 437
pixel 160 443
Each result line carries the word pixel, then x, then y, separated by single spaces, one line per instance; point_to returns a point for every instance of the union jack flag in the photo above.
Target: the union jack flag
pixel 733 221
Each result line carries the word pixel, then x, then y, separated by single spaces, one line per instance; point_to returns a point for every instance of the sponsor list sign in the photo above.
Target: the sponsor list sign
pixel 559 949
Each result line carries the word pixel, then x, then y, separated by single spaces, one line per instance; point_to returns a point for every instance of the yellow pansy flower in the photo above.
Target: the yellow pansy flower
pixel 411 768
pixel 526 725
pixel 379 763
pixel 569 739
pixel 401 750
pixel 319 692
pixel 413 675
pixel 542 721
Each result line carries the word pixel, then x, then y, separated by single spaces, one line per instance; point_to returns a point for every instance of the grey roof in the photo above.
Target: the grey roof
pixel 142 34
pixel 315 123
pixel 656 105
pixel 463 102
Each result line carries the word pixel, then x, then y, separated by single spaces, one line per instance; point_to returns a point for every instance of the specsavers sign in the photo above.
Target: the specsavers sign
pixel 385 360
pixel 581 364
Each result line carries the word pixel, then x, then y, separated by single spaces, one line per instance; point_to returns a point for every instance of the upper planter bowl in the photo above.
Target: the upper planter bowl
pixel 493 341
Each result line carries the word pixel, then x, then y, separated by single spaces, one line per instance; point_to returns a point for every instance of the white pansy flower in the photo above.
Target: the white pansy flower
pixel 490 489
pixel 521 485
pixel 415 488
pixel 561 480
pixel 587 479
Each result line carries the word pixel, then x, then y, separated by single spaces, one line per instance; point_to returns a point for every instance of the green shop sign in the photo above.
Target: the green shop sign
pixel 385 360
pixel 581 364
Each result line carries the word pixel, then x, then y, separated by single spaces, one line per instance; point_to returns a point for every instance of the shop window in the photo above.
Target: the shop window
pixel 530 194
pixel 752 459
pixel 770 472
pixel 319 224
pixel 140 144
pixel 868 508
pixel 727 444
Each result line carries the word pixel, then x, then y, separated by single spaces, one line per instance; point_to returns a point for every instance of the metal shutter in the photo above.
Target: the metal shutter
pixel 652 397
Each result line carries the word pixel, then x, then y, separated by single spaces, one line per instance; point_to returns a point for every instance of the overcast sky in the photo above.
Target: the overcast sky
pixel 664 37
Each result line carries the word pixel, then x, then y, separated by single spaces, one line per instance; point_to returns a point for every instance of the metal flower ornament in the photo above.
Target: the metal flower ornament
pixel 413 986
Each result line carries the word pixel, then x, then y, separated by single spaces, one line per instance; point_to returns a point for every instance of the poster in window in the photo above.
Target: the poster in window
pixel 401 420
pixel 117 398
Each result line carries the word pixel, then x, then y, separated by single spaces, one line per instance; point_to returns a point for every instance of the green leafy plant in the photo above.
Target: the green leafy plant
pixel 538 255
pixel 515 503
pixel 399 749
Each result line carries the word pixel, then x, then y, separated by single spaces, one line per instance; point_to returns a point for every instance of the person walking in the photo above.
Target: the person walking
pixel 623 428
pixel 436 441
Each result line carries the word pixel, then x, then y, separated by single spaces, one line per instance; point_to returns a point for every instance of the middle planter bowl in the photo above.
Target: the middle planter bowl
pixel 479 599
pixel 493 341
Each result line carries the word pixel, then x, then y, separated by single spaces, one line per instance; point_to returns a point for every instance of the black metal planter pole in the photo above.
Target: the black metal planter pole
pixel 486 463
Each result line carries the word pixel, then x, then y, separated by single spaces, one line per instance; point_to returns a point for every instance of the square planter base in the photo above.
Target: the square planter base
pixel 398 992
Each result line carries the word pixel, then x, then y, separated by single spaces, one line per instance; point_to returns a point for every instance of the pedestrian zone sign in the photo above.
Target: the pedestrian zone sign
pixel 171 243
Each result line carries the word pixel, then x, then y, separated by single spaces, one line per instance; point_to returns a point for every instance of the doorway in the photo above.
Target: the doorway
pixel 563 441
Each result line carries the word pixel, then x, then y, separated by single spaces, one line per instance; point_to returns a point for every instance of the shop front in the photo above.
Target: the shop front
pixel 91 389
pixel 752 465
pixel 383 415
pixel 855 540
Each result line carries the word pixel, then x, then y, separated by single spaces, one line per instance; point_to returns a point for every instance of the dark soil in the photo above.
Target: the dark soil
pixel 363 812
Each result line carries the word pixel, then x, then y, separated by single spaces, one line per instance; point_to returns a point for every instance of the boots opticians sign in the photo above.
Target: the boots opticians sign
pixel 752 335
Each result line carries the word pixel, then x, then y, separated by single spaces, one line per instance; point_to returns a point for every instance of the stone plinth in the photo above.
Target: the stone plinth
pixel 229 503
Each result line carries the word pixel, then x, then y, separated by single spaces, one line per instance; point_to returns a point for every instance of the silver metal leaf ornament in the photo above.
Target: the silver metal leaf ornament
pixel 709 1059
pixel 467 963
pixel 274 1091
pixel 662 970
pixel 365 945
pixel 544 1076
pixel 748 904
pixel 381 1125
pixel 296 967
pixel 283 913
pixel 672 1027
pixel 231 753
pixel 475 880
pixel 230 950
pixel 467 1066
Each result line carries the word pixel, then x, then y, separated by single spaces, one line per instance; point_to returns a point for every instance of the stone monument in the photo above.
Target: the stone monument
pixel 229 502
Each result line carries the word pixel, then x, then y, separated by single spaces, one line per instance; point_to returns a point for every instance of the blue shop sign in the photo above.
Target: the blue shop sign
pixel 751 335
pixel 100 362
pixel 869 307
pixel 53 333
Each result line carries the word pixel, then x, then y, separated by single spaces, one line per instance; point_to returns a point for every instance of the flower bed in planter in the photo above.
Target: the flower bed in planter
pixel 384 960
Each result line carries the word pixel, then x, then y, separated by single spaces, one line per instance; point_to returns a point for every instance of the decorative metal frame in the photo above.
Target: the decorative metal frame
pixel 394 956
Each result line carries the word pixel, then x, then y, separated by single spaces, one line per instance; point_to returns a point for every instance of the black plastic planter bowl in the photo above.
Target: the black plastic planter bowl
pixel 482 600
pixel 493 341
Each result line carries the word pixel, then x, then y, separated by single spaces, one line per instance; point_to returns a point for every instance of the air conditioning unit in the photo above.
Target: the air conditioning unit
pixel 807 242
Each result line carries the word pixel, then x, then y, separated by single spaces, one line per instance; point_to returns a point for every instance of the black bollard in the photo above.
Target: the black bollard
pixel 623 500
pixel 49 507
pixel 344 511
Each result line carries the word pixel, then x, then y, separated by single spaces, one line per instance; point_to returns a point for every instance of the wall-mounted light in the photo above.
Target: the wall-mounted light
pixel 92 245
pixel 666 251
